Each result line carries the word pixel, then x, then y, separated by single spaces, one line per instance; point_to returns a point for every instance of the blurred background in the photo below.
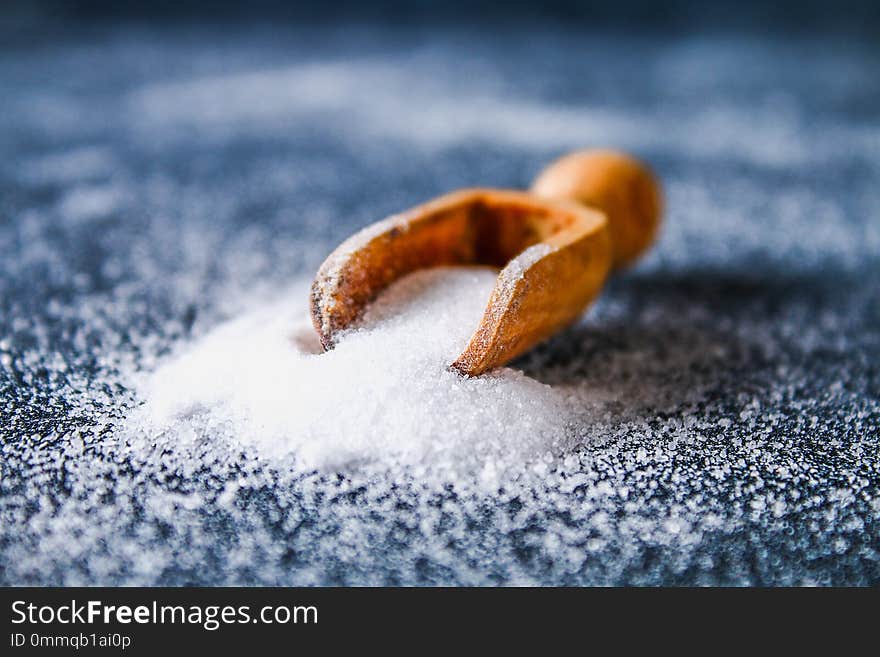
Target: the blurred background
pixel 267 132
pixel 165 164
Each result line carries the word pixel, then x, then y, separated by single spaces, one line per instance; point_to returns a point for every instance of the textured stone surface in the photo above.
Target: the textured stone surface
pixel 157 181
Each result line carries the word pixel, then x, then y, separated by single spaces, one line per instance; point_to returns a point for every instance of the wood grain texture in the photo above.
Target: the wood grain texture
pixel 554 252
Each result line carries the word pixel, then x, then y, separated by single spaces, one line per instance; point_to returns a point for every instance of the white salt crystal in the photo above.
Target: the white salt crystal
pixel 382 397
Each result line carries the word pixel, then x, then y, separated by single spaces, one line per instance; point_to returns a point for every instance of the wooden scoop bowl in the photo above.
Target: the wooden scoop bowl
pixel 587 213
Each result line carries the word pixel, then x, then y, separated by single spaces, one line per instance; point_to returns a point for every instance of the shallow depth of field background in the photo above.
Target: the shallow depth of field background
pixel 164 167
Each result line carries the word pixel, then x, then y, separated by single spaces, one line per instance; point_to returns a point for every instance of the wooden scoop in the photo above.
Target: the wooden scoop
pixel 586 213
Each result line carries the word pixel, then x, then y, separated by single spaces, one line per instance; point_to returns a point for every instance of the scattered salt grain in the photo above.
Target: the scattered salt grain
pixel 695 377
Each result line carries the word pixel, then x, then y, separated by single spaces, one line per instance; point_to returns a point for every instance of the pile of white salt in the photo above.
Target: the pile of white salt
pixel 383 397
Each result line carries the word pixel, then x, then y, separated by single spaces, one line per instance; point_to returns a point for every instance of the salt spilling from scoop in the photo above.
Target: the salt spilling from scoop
pixel 382 397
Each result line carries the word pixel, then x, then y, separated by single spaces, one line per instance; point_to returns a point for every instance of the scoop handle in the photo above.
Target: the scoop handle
pixel 620 186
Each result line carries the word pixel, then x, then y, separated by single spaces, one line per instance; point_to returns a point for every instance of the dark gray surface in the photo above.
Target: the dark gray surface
pixel 153 179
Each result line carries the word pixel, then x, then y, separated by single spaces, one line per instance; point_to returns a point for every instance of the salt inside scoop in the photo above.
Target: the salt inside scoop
pixel 383 397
